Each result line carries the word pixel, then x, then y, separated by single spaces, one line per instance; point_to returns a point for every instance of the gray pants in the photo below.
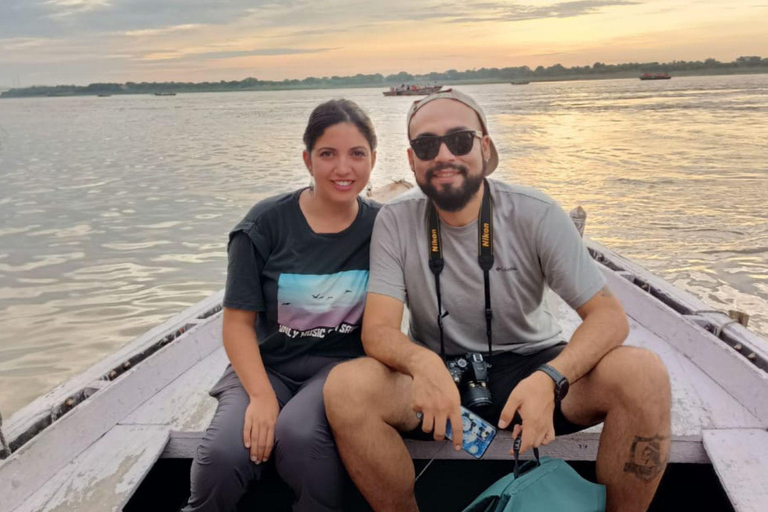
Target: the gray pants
pixel 304 452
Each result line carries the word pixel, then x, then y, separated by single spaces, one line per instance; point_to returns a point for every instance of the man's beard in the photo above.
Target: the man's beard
pixel 446 197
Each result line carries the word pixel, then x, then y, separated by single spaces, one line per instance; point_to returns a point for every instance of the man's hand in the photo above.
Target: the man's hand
pixel 259 428
pixel 436 397
pixel 534 399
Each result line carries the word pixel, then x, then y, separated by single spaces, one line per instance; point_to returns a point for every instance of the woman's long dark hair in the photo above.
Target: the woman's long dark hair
pixel 338 111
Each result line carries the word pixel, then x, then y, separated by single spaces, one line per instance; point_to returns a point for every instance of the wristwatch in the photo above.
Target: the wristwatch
pixel 561 383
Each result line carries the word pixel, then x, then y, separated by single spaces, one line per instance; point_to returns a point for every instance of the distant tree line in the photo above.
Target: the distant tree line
pixel 557 71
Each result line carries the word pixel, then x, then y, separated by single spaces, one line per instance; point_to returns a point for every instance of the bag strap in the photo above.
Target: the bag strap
pixel 526 466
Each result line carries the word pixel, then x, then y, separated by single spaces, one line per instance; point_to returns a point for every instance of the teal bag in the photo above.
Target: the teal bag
pixel 543 485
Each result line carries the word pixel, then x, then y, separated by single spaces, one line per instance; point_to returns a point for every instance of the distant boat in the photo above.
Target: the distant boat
pixel 412 90
pixel 104 95
pixel 165 94
pixel 520 82
pixel 655 76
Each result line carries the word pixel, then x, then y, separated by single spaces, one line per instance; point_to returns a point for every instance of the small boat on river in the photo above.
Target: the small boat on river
pixel 122 434
pixel 412 90
pixel 655 76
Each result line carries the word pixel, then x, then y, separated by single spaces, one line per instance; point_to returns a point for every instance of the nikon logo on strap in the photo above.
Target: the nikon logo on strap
pixel 434 243
pixel 486 236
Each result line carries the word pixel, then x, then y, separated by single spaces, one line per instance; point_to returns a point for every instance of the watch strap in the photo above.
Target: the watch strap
pixel 559 378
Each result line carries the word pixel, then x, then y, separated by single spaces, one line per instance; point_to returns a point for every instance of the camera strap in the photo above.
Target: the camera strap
pixel 484 258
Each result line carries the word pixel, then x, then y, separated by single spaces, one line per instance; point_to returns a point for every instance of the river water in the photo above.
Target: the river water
pixel 114 211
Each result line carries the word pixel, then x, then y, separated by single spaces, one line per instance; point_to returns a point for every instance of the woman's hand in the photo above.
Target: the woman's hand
pixel 259 428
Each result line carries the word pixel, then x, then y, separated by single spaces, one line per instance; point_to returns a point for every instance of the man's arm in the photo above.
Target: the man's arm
pixel 604 327
pixel 383 340
pixel 575 277
pixel 435 395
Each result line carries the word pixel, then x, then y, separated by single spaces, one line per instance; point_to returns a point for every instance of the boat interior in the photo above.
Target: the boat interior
pixel 121 435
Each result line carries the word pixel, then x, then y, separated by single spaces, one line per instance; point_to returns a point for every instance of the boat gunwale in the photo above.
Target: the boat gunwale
pixel 45 411
pixel 718 323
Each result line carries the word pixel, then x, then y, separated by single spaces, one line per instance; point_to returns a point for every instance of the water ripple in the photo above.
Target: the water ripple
pixel 114 215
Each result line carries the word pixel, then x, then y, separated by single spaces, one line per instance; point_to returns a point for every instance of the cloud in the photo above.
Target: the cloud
pixel 51 18
pixel 78 4
pixel 198 55
pixel 314 32
pixel 63 8
pixel 268 52
pixel 518 12
pixel 65 18
pixel 22 43
pixel 163 30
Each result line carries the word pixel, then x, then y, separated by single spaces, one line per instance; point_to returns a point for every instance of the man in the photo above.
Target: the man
pixel 556 388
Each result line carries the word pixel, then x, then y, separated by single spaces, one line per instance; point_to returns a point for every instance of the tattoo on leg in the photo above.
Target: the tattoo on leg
pixel 606 292
pixel 645 460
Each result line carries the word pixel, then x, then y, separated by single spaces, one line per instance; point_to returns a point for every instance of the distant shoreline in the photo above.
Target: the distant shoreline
pixel 612 76
pixel 164 88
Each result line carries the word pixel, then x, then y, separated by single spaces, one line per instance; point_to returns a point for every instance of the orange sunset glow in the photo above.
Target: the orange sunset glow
pixel 83 41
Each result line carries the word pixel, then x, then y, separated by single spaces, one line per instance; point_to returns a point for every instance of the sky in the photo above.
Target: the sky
pixel 50 42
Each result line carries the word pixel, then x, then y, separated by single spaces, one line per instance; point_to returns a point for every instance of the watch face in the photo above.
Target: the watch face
pixel 562 388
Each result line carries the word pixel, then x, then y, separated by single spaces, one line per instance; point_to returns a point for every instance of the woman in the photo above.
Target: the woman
pixel 296 282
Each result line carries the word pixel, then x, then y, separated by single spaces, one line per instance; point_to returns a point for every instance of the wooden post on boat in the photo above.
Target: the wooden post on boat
pixel 5 450
pixel 579 218
pixel 739 316
pixel 390 190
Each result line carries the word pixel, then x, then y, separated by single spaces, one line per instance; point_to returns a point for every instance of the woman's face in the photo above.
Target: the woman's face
pixel 341 163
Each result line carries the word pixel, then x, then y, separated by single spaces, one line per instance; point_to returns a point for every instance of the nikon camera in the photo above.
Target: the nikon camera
pixel 470 373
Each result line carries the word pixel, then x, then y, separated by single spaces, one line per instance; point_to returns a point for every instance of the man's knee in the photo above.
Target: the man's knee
pixel 350 390
pixel 637 378
pixel 344 387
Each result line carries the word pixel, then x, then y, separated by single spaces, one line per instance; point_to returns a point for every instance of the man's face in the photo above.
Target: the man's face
pixel 449 180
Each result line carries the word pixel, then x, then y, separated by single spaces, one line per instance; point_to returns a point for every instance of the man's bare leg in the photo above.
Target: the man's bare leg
pixel 629 388
pixel 366 404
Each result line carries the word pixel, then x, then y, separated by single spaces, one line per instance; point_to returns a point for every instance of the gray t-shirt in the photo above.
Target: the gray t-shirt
pixel 535 246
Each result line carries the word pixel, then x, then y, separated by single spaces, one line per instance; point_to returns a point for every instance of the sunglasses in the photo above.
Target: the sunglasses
pixel 460 143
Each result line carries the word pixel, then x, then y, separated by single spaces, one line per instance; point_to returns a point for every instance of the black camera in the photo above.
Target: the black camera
pixel 470 373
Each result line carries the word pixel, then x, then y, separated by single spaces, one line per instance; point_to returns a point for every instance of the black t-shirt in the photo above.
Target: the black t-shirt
pixel 308 288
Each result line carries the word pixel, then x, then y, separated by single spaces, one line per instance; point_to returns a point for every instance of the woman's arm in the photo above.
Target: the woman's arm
pixel 242 348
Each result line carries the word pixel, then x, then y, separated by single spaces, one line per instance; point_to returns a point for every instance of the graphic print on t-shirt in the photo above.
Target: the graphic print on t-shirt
pixel 315 305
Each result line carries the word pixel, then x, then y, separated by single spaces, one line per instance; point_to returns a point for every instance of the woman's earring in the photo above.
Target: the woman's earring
pixel 311 183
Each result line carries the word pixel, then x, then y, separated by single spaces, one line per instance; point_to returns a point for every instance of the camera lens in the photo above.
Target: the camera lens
pixel 476 397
